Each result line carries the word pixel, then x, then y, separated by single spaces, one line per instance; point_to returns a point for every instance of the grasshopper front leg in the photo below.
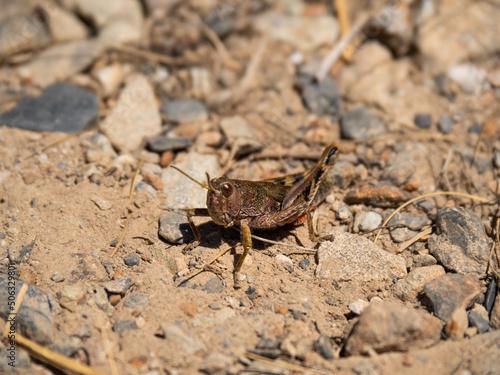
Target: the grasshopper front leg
pixel 190 214
pixel 247 245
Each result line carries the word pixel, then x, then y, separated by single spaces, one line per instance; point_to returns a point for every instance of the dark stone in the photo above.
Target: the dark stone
pixel 21 255
pixel 476 320
pixel 119 286
pixel 2 235
pixel 162 143
pixel 451 292
pixel 132 260
pixel 214 285
pixel 33 203
pixel 321 98
pixel 475 129
pixel 62 107
pixel 34 317
pixel 174 227
pixel 360 124
pixel 123 326
pixel 423 120
pixel 491 293
pixel 304 264
pixel 323 346
pixel 461 244
pixel 136 299
pixel 445 124
pixel 184 110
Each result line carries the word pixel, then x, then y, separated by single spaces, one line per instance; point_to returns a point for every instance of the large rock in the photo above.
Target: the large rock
pixel 461 244
pixel 34 318
pixel 354 258
pixel 136 115
pixel 387 327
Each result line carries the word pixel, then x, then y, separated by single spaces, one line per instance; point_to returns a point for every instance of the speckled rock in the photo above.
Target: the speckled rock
pixel 461 244
pixel 354 258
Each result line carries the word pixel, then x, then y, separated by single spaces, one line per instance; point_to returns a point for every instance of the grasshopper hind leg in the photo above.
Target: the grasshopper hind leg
pixel 247 245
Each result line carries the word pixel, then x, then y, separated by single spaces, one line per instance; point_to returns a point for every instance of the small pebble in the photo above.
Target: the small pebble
pixel 2 235
pixel 215 305
pixel 367 221
pixel 57 277
pixel 358 306
pixel 114 299
pixel 445 124
pixel 360 124
pixel 285 261
pixel 119 286
pixel 174 227
pixel 476 320
pixel 423 120
pixel 136 299
pixel 123 326
pixel 71 293
pixel 214 285
pixel 184 111
pixel 33 203
pixel 132 260
pixel 305 263
pixel 323 346
pixel 162 143
pixel 344 213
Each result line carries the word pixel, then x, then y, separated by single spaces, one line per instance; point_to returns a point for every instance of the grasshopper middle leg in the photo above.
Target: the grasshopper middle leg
pixel 190 214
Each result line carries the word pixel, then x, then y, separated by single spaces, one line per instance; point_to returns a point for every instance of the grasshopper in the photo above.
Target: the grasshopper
pixel 263 204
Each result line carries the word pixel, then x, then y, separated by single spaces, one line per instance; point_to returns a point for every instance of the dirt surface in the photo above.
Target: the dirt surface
pixel 70 196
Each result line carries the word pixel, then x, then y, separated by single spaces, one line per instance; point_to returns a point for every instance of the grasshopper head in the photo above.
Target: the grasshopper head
pixel 223 201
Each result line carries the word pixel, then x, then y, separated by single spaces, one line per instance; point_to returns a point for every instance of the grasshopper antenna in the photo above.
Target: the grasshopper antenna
pixel 193 179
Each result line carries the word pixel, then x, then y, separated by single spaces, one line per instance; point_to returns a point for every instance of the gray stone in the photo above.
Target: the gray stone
pixel 136 105
pixel 385 327
pixel 423 260
pixel 461 245
pixel 445 124
pixel 136 299
pixel 174 227
pixel 119 286
pixel 162 143
pixel 451 292
pixel 22 360
pixel 58 277
pixel 177 338
pixel 214 285
pixel 344 213
pixel 413 284
pixel 324 347
pixel 399 169
pixel 132 260
pixel 360 124
pixel 423 120
pixel 34 318
pixel 411 224
pixel 181 111
pixel 366 221
pixel 478 321
pixel 61 61
pixel 67 345
pixel 322 98
pixel 182 193
pixel 123 326
pixel 21 255
pixel 354 258
pixel 102 302
pixel 305 263
pixel 62 107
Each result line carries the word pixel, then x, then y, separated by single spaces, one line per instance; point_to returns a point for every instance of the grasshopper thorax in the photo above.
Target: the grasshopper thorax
pixel 223 200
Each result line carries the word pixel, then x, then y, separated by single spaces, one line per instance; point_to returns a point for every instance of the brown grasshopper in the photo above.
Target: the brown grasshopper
pixel 263 204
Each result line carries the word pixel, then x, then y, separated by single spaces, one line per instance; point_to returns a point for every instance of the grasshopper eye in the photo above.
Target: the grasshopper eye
pixel 226 189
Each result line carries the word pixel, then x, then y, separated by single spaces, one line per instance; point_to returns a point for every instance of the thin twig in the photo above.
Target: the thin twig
pixel 424 233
